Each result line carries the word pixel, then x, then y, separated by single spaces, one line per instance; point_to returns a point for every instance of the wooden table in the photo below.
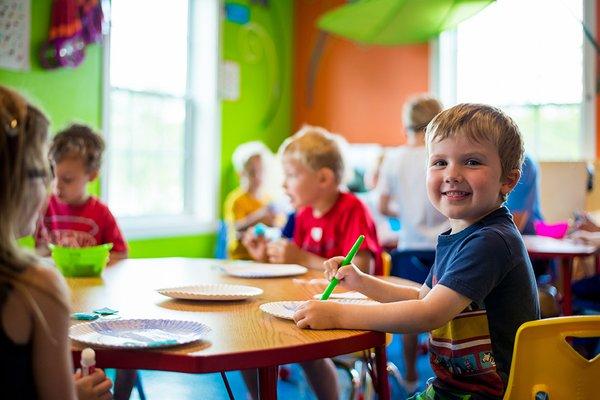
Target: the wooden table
pixel 541 247
pixel 242 336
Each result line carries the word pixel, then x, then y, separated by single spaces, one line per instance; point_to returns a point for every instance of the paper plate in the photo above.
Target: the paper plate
pixel 344 296
pixel 260 270
pixel 138 333
pixel 211 292
pixel 286 309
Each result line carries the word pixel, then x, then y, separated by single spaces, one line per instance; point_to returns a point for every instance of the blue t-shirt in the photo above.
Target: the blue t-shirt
pixel 525 197
pixel 488 263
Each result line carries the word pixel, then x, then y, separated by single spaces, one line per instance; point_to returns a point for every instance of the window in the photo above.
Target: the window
pixel 531 59
pixel 161 113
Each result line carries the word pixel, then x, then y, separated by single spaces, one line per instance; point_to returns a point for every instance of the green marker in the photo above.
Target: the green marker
pixel 345 262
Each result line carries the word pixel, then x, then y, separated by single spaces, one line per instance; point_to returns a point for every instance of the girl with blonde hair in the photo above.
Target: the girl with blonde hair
pixel 34 300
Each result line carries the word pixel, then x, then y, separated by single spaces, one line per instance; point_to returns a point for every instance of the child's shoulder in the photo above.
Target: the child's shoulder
pixel 45 281
pixel 496 237
pixel 235 195
pixel 349 200
pixel 98 205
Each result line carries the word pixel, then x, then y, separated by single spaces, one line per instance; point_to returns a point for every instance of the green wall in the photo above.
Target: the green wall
pixel 263 112
pixel 263 48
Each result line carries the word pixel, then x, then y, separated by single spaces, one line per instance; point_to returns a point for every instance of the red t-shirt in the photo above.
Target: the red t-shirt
pixel 88 224
pixel 334 233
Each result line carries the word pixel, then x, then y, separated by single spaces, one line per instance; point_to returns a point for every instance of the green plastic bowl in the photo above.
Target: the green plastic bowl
pixel 81 261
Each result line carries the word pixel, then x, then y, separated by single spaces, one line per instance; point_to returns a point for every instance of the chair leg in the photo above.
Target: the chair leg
pixel 353 375
pixel 366 388
pixel 394 372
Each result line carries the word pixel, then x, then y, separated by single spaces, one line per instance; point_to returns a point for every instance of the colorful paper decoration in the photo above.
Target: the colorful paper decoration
pixel 74 24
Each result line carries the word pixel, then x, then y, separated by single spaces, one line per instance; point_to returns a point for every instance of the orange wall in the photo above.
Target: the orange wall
pixel 359 91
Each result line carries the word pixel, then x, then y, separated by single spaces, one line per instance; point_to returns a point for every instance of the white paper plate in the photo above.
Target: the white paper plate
pixel 344 296
pixel 261 270
pixel 211 292
pixel 138 333
pixel 286 309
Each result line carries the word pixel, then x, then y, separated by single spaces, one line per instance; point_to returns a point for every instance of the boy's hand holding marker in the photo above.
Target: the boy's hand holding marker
pixel 350 277
pixel 345 261
pixel 325 314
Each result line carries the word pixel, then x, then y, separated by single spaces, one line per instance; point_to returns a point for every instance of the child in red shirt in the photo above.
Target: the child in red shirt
pixel 74 218
pixel 328 222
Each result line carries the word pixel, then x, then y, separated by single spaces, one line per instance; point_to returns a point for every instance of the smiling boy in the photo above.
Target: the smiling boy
pixel 481 287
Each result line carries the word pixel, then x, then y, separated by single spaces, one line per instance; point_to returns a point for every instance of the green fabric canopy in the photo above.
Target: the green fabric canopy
pixel 394 22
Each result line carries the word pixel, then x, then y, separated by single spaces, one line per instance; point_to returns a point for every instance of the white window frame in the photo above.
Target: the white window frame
pixel 447 94
pixel 203 132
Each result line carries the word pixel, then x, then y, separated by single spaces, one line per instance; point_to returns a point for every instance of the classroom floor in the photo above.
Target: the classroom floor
pixel 167 385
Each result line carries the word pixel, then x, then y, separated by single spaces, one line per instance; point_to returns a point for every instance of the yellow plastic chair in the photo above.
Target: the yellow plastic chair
pixel 543 361
pixel 386 261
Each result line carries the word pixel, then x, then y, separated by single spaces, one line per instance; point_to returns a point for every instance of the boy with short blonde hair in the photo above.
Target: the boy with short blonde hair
pixel 481 287
pixel 328 221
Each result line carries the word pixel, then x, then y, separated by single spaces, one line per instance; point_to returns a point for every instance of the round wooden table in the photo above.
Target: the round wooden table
pixel 241 335
pixel 565 250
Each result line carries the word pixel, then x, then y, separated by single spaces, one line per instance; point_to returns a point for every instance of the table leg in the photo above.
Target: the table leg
pixel 267 383
pixel 383 387
pixel 567 270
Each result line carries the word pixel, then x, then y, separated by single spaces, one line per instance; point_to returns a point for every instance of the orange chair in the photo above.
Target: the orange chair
pixel 545 365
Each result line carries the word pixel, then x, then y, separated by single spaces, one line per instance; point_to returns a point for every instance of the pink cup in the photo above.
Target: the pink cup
pixel 557 230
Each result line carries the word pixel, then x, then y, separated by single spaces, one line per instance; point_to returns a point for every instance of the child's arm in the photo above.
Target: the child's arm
pixel 352 278
pixel 52 364
pixel 520 218
pixel 439 306
pixel 256 246
pixel 93 387
pixel 264 215
pixel 42 250
pixel 285 251
pixel 384 206
pixel 116 256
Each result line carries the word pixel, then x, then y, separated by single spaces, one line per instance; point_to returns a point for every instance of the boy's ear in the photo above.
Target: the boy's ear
pixel 325 176
pixel 510 181
pixel 93 175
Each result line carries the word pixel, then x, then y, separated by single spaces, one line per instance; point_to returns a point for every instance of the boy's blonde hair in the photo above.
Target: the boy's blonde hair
pixel 480 123
pixel 245 151
pixel 316 148
pixel 78 141
pixel 418 111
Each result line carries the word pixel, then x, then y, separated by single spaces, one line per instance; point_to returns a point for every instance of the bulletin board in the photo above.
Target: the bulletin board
pixel 15 20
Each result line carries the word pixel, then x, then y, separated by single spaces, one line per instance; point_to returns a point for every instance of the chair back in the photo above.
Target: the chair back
pixel 545 363
pixel 386 262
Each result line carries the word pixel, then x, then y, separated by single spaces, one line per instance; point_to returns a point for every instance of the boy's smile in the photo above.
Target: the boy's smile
pixel 464 180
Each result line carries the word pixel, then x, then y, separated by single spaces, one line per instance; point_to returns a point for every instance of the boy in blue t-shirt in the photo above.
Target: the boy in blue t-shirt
pixel 481 287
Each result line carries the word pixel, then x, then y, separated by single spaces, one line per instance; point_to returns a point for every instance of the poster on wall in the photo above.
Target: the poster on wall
pixel 15 20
